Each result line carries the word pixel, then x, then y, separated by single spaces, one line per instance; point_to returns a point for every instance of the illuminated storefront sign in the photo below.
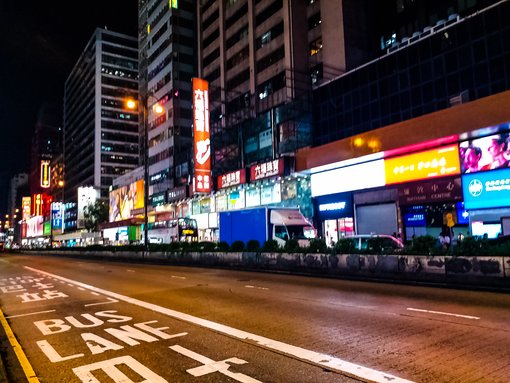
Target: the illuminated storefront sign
pixel 201 135
pixel 26 203
pixel 441 190
pixel 253 197
pixel 45 174
pixel 270 194
pixel 355 177
pixel 35 227
pixel 332 206
pixel 232 179
pixel 428 164
pixel 236 200
pixel 178 193
pixel 487 189
pixel 267 169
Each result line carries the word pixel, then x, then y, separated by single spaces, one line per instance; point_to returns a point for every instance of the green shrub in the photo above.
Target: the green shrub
pixel 253 245
pixel 292 246
pixel 222 246
pixel 345 246
pixel 317 245
pixel 237 246
pixel 206 246
pixel 271 246
pixel 424 244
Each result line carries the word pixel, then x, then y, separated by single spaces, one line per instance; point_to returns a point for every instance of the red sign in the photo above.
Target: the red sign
pixel 202 138
pixel 267 169
pixel 232 179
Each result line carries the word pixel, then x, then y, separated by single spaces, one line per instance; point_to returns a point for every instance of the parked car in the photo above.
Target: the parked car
pixel 376 242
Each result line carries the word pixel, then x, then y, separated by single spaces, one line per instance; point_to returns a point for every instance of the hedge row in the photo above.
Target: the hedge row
pixel 424 245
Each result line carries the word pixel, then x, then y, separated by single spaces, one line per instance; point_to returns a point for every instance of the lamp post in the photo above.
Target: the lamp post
pixel 157 109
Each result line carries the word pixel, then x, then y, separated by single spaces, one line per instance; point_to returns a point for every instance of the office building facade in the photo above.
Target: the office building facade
pixel 100 133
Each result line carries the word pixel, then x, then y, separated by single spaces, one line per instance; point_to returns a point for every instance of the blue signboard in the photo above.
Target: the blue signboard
pixel 415 219
pixel 486 189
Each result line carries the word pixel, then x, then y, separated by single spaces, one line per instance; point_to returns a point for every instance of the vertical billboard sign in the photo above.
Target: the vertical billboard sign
pixel 26 210
pixel 57 222
pixel 201 135
pixel 87 195
pixel 45 174
pixel 37 208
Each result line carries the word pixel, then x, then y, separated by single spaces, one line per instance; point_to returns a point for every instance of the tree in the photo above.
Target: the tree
pixel 95 214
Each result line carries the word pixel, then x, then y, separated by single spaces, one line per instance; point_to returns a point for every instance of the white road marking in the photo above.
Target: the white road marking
pixel 443 313
pixel 81 288
pixel 94 293
pixel 210 366
pixel 130 271
pixel 25 315
pixel 110 300
pixel 177 277
pixel 327 361
pixel 70 284
pixel 256 287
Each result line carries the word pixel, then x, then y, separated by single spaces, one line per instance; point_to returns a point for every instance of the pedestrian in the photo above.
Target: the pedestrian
pixel 444 240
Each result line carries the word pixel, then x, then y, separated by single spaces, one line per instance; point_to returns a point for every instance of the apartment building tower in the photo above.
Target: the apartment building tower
pixel 100 133
pixel 167 59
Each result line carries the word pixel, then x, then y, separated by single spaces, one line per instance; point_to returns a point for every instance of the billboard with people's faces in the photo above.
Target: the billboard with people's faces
pixel 486 153
pixel 125 199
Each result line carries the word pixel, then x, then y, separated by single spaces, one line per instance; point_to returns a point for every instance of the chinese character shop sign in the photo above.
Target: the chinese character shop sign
pixel 232 179
pixel 267 169
pixel 202 140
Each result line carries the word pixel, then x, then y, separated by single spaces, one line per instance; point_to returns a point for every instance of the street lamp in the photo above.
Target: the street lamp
pixel 157 109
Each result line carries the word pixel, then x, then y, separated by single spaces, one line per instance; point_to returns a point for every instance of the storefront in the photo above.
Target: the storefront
pixel 370 206
pixel 334 216
pixel 487 200
pixel 429 207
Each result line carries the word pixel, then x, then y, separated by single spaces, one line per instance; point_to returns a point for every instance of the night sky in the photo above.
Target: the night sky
pixel 40 41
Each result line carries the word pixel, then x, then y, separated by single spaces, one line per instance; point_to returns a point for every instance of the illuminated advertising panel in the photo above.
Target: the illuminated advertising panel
pixel 26 204
pixel 232 179
pixel 487 189
pixel 57 222
pixel 35 226
pixel 267 169
pixel 125 199
pixel 37 207
pixel 201 136
pixel 433 163
pixel 45 174
pixel 86 196
pixel 355 177
pixel 485 153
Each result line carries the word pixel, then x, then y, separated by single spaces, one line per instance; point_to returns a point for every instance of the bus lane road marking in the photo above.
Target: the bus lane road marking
pixel 323 360
pixel 443 313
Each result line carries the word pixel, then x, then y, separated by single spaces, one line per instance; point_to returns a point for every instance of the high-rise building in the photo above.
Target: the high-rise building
pixel 18 188
pixel 167 64
pixel 100 133
pixel 46 144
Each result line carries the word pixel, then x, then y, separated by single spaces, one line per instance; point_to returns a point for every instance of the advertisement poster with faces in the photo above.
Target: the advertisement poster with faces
pixel 486 153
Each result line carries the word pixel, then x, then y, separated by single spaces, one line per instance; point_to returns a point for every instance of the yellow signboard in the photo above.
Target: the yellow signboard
pixel 433 163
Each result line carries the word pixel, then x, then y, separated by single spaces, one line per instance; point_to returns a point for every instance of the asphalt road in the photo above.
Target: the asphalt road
pixel 89 321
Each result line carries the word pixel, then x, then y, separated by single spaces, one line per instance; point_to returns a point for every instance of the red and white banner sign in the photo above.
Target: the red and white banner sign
pixel 232 179
pixel 267 169
pixel 202 138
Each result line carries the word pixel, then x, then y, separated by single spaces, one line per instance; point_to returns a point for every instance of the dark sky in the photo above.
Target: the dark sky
pixel 40 41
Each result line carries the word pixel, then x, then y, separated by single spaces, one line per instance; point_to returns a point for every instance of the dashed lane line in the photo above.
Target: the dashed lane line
pixel 323 360
pixel 443 313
